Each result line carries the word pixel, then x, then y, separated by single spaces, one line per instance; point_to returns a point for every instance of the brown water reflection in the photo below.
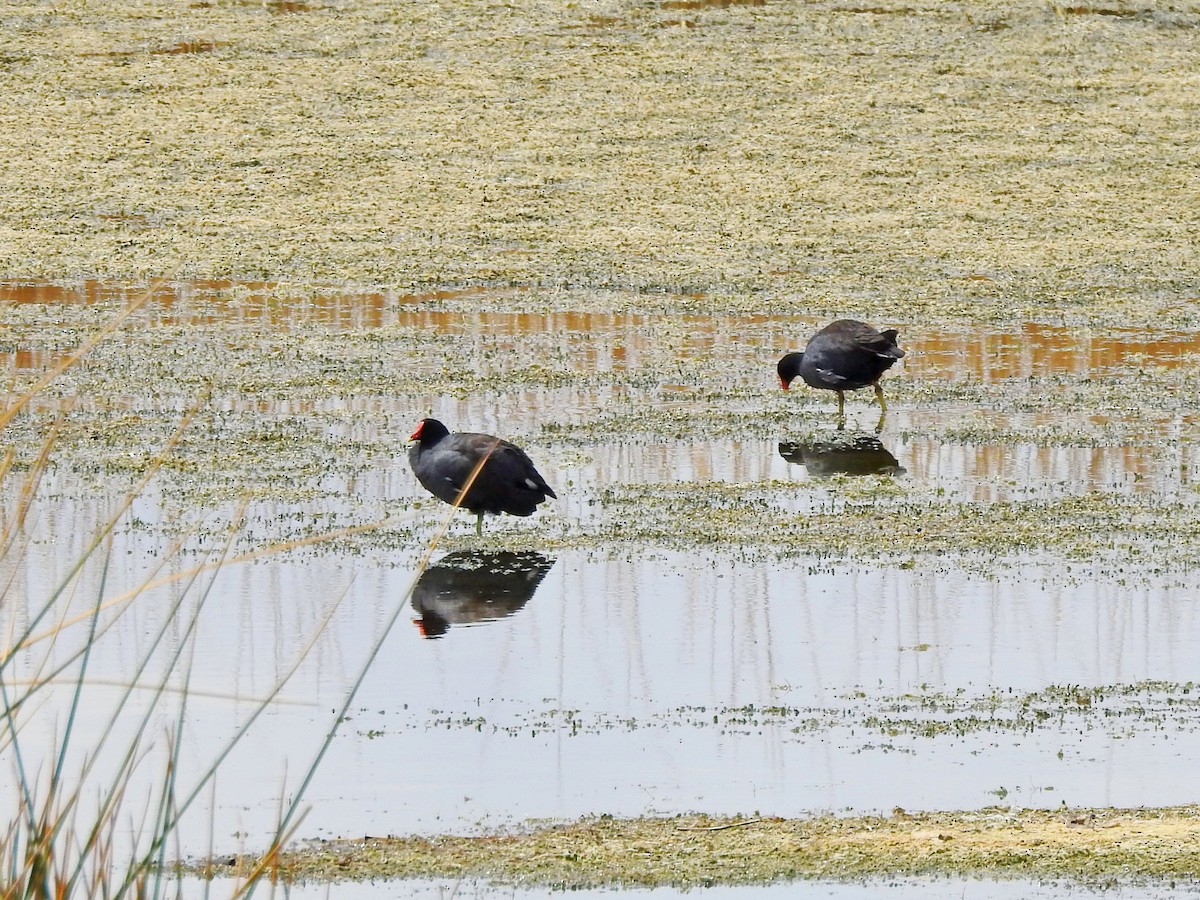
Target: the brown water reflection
pixel 959 352
pixel 15 361
pixel 218 301
pixel 1034 349
pixel 596 343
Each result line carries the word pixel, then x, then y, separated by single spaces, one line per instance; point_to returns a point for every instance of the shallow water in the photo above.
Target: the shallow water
pixel 636 680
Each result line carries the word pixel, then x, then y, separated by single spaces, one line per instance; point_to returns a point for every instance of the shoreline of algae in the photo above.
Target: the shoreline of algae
pixel 1091 847
pixel 1088 846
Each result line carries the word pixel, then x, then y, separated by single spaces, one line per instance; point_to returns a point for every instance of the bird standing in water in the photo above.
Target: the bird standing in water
pixel 843 356
pixel 504 478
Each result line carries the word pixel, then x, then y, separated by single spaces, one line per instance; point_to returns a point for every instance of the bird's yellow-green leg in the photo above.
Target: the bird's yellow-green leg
pixel 879 397
pixel 841 405
pixel 479 524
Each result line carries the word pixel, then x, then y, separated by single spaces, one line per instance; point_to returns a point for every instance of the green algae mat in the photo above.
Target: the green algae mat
pixel 695 851
pixel 971 159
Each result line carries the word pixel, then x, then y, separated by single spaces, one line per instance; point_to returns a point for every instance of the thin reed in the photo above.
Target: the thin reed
pixel 94 772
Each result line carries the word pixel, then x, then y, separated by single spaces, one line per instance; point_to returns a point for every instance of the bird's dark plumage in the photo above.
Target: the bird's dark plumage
pixel 843 356
pixel 507 482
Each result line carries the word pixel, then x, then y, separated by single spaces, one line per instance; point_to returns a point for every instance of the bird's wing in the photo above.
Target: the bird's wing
pixel 465 454
pixel 516 464
pixel 831 378
pixel 505 462
pixel 880 344
pixel 456 469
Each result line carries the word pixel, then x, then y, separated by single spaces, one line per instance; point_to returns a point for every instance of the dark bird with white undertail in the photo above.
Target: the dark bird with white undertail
pixel 843 356
pixel 506 480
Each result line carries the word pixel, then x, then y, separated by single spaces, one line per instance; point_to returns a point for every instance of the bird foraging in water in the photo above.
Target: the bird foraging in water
pixel 843 356
pixel 479 472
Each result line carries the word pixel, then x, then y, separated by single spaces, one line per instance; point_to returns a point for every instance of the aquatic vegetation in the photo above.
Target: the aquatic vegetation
pixel 661 263
pixel 301 413
pixel 814 190
pixel 860 717
pixel 96 810
pixel 1097 846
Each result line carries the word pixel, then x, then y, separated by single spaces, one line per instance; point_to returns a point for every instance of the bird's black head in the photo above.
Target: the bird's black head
pixel 788 369
pixel 430 431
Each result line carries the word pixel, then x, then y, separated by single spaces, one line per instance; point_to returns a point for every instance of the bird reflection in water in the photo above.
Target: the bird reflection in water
pixel 468 588
pixel 847 453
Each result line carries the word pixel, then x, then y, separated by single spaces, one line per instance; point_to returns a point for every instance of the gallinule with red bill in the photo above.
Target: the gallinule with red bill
pixel 506 481
pixel 843 356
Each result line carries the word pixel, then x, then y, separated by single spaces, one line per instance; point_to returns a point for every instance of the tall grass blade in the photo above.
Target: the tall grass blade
pixel 80 352
pixel 60 843
pixel 284 829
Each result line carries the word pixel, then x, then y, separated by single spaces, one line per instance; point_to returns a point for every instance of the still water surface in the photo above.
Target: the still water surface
pixel 646 681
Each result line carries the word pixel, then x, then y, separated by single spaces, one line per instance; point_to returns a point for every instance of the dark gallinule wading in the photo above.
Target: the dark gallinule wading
pixel 843 356
pixel 506 481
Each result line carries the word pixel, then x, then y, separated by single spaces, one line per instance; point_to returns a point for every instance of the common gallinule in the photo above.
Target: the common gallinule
pixel 843 356
pixel 506 481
